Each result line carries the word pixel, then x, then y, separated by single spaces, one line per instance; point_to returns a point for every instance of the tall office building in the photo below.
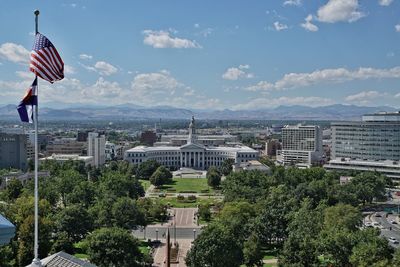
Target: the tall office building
pixel 13 151
pixel 376 137
pixel 372 144
pixel 96 148
pixel 301 145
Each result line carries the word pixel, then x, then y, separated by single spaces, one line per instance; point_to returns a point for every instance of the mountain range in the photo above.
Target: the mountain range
pixel 135 112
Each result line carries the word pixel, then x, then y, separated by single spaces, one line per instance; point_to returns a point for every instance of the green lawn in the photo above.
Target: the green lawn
pixel 145 184
pixel 189 185
pixel 144 247
pixel 174 202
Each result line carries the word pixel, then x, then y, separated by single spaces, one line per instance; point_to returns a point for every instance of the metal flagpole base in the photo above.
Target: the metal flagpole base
pixel 36 263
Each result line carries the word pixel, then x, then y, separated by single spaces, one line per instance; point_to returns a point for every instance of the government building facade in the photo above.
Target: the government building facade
pixel 193 154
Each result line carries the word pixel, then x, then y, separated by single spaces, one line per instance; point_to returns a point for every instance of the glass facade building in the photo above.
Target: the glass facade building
pixel 375 138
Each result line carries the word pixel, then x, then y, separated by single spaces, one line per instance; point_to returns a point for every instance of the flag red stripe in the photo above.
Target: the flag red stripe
pixel 44 64
pixel 41 72
pixel 50 65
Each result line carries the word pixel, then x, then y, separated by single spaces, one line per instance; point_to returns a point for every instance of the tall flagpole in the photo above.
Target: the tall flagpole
pixel 36 262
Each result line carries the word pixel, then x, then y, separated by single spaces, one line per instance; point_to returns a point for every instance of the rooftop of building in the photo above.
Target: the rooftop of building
pixel 237 148
pixel 62 259
pixel 380 163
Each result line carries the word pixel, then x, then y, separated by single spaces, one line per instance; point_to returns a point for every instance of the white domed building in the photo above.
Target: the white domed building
pixel 191 155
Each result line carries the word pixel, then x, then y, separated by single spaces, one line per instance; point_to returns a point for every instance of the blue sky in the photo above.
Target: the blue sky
pixel 208 54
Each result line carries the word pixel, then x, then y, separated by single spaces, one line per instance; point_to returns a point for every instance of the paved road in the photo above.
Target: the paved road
pixel 387 229
pixel 154 233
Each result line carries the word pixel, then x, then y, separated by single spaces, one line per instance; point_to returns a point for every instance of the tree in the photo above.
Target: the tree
pixel 161 176
pixel 273 218
pixel 204 212
pixel 66 182
pixel 207 249
pixel 84 193
pixel 113 247
pixel 14 189
pixel 115 185
pixel 252 251
pixel 126 214
pixel 146 169
pixel 237 217
pixel 6 256
pixel 342 216
pixel 75 221
pixel 226 167
pixel 371 249
pixel 62 243
pixel 24 220
pixel 370 185
pixel 301 246
pixel 213 177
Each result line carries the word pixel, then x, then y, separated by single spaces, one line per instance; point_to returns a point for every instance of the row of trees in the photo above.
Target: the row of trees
pixel 96 208
pixel 304 216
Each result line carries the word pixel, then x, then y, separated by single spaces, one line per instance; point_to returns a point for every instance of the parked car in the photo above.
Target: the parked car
pixel 378 215
pixel 393 222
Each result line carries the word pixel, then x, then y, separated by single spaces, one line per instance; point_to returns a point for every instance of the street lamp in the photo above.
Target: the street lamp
pixel 157 234
pixel 174 227
pixel 194 234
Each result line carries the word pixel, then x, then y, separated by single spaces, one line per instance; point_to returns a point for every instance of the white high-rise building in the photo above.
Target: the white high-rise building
pixel 301 145
pixel 96 148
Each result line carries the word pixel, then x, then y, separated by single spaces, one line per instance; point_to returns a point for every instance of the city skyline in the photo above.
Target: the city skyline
pixel 208 55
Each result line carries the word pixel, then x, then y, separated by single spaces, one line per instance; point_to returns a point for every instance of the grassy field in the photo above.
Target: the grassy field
pixel 145 184
pixel 188 185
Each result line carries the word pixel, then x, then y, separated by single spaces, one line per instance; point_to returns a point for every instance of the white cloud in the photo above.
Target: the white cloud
pixel 105 68
pixel 196 25
pixel 385 2
pixel 397 95
pixel 397 27
pixel 292 3
pixel 234 73
pixel 85 56
pixel 26 75
pixel 340 10
pixel 69 69
pixel 261 86
pixel 257 103
pixel 14 53
pixel 364 97
pixel 294 80
pixel 163 39
pixel 308 25
pixel 279 26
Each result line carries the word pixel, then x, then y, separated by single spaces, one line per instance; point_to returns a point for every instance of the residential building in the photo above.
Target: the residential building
pixel 301 145
pixel 62 259
pixel 13 151
pixel 192 154
pixel 96 148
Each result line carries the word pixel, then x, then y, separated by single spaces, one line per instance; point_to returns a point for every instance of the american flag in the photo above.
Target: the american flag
pixel 45 60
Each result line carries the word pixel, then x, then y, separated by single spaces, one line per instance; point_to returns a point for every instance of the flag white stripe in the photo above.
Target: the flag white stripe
pixel 29 110
pixel 54 51
pixel 45 70
pixel 47 65
pixel 43 56
pixel 48 53
pixel 40 73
